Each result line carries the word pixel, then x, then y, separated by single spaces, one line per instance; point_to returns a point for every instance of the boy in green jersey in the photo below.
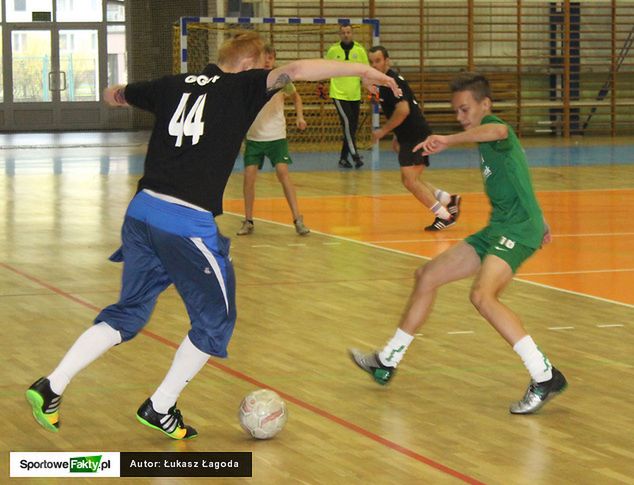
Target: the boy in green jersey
pixel 515 231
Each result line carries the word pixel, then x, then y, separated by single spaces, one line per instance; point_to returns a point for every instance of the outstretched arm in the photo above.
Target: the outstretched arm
pixel 115 95
pixel 479 134
pixel 318 69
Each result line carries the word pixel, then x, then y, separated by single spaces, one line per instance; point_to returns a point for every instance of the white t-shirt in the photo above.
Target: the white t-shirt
pixel 270 123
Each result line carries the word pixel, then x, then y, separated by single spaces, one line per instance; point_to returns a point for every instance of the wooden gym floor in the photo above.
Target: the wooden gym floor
pixel 303 300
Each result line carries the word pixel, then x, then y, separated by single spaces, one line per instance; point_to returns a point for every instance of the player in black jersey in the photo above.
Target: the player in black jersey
pixel 169 235
pixel 410 128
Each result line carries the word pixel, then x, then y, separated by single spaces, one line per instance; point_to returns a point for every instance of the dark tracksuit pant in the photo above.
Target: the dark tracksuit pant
pixel 348 112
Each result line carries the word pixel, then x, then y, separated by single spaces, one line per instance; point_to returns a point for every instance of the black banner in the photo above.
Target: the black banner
pixel 174 464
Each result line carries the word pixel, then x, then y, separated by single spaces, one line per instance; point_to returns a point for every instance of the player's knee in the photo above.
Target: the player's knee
pixel 213 337
pixel 249 181
pixel 418 274
pixel 480 298
pixel 128 332
pixel 409 182
pixel 282 176
pixel 128 322
pixel 424 278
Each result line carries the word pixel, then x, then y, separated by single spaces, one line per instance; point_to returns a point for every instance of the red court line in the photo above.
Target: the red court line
pixel 244 377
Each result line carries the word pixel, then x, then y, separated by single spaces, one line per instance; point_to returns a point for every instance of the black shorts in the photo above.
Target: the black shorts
pixel 407 158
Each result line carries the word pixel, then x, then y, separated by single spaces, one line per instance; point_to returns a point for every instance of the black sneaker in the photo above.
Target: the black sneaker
pixel 440 224
pixel 45 404
pixel 170 424
pixel 372 365
pixel 454 206
pixel 538 393
pixel 344 163
pixel 358 162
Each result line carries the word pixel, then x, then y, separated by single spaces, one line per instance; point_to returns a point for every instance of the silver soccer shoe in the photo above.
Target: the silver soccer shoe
pixel 539 393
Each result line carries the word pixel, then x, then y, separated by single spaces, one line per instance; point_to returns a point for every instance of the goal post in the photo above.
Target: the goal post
pixel 196 42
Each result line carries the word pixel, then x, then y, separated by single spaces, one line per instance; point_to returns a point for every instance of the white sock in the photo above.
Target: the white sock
pixel 443 197
pixel 538 365
pixel 90 345
pixel 395 349
pixel 440 210
pixel 188 360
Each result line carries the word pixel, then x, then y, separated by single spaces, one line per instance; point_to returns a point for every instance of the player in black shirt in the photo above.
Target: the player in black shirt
pixel 169 234
pixel 406 119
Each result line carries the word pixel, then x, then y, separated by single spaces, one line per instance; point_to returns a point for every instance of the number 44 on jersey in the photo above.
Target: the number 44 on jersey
pixel 188 124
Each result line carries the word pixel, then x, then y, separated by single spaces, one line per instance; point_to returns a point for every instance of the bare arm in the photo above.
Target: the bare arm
pixel 318 69
pixel 400 113
pixel 115 95
pixel 299 110
pixel 482 133
pixel 479 134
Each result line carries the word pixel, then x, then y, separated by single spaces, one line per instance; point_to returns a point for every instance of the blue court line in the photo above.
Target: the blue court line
pixel 469 158
pixel 30 161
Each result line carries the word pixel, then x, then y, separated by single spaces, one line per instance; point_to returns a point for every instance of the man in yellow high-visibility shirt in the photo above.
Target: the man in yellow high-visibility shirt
pixel 346 93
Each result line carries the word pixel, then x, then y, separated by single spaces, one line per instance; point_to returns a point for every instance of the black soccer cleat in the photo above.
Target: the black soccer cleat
pixel 440 224
pixel 45 404
pixel 344 164
pixel 358 162
pixel 170 423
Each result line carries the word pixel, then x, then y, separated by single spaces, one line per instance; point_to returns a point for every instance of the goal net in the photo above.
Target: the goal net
pixel 196 41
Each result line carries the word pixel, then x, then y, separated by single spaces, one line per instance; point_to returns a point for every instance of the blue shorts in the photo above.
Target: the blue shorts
pixel 165 243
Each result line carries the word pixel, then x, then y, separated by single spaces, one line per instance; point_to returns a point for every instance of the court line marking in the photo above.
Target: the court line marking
pixel 561 328
pixel 407 195
pixel 418 256
pixel 581 271
pixel 288 397
pixel 406 241
pixel 610 325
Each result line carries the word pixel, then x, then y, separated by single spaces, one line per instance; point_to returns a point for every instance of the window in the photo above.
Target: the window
pixel 18 41
pixel 22 10
pixel 79 10
pixel 115 11
pixel 117 55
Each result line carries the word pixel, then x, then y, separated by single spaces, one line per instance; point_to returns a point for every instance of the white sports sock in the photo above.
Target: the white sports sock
pixel 538 365
pixel 188 360
pixel 443 197
pixel 90 345
pixel 395 349
pixel 440 210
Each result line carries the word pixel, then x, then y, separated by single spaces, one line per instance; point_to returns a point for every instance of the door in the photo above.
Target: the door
pixel 56 66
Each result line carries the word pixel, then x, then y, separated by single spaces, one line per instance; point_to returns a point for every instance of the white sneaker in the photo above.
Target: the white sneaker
pixel 246 229
pixel 300 228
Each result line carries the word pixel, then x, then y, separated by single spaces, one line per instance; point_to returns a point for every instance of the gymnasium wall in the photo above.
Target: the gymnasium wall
pixel 555 66
pixel 560 68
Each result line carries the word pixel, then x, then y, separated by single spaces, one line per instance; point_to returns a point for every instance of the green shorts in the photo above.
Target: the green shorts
pixel 276 151
pixel 487 242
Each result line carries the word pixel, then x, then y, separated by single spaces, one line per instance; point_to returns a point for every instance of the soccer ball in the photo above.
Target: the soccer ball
pixel 262 414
